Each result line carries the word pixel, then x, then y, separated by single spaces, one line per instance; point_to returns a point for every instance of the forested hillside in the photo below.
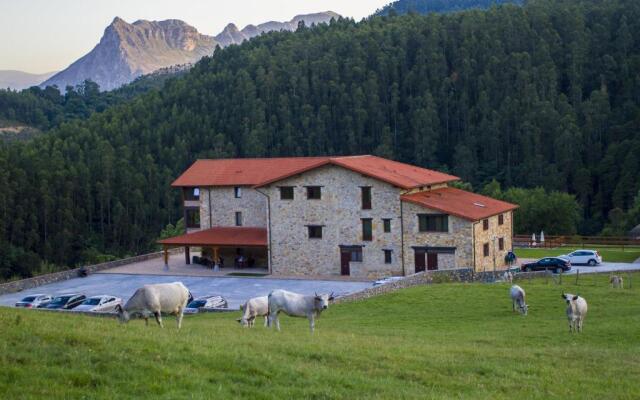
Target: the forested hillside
pixel 542 95
pixel 400 7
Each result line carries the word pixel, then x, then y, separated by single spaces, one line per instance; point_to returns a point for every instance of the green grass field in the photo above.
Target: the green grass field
pixel 447 341
pixel 609 254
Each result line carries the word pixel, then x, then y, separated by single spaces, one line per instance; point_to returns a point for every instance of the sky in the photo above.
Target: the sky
pixel 40 36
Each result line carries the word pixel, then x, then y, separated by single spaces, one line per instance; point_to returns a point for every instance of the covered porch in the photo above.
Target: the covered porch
pixel 237 248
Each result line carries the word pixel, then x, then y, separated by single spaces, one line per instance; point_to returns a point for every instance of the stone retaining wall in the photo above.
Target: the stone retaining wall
pixel 430 277
pixel 29 283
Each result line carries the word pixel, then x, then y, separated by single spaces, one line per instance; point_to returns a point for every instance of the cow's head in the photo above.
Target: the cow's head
pixel 568 297
pixel 322 301
pixel 123 316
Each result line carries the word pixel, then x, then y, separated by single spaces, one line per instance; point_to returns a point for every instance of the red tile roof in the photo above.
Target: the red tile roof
pixel 262 171
pixel 221 236
pixel 461 203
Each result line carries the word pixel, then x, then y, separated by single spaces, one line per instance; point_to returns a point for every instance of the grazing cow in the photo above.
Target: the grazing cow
pixel 297 305
pixel 576 311
pixel 256 307
pixel 507 276
pixel 616 281
pixel 518 297
pixel 170 298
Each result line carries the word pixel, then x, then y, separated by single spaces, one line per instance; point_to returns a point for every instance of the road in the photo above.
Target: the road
pixel 235 290
pixel 604 267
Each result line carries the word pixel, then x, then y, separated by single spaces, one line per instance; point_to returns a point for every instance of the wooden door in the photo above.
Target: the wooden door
pixel 420 264
pixel 432 261
pixel 345 258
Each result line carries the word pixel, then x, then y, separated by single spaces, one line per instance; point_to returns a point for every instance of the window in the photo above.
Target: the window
pixel 237 192
pixel 367 230
pixel 433 223
pixel 387 256
pixel 315 232
pixel 286 193
pixel 356 254
pixel 501 243
pixel 485 249
pixel 386 225
pixel 191 194
pixel 314 192
pixel 366 197
pixel 501 219
pixel 238 218
pixel 485 224
pixel 193 217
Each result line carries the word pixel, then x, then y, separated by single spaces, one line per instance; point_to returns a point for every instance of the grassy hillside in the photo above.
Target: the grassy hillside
pixel 442 341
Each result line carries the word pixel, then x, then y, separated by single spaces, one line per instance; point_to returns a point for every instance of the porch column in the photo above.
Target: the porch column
pixel 216 259
pixel 166 257
pixel 187 256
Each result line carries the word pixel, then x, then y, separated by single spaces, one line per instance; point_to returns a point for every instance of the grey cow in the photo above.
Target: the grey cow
pixel 576 311
pixel 297 305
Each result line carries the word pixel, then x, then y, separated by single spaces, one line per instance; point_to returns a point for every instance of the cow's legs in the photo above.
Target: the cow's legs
pixel 158 318
pixel 146 320
pixel 312 323
pixel 278 321
pixel 179 318
pixel 513 305
pixel 266 321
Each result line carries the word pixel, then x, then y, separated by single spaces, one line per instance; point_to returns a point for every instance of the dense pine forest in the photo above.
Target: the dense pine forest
pixel 545 95
pixel 400 7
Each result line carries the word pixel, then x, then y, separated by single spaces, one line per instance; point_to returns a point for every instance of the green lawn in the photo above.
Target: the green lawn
pixel 609 254
pixel 447 341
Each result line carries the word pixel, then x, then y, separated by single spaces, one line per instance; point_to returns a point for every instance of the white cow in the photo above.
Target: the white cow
pixel 576 311
pixel 169 298
pixel 518 297
pixel 616 281
pixel 256 307
pixel 507 276
pixel 297 305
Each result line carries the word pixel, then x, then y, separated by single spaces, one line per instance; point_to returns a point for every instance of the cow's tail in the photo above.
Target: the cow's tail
pixel 269 311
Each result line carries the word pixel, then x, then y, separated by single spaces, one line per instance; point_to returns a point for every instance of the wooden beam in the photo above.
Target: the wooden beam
pixel 216 258
pixel 165 249
pixel 187 255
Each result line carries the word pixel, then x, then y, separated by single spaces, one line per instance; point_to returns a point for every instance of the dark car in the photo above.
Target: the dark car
pixel 66 301
pixel 554 264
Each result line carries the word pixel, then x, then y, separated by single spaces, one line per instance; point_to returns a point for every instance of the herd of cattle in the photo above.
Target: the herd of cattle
pixel 172 298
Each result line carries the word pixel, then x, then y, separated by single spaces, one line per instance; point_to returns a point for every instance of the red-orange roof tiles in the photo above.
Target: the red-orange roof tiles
pixel 221 236
pixel 263 171
pixel 461 203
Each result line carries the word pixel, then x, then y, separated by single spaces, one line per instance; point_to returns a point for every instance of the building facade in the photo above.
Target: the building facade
pixel 360 216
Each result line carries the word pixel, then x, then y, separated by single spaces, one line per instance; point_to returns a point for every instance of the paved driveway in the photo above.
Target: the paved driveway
pixel 235 290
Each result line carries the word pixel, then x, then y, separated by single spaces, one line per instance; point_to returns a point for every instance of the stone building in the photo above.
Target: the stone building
pixel 362 216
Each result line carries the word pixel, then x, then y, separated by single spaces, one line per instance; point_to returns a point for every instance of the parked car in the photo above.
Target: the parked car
pixel 66 301
pixel 101 303
pixel 34 301
pixel 585 257
pixel 206 302
pixel 554 264
pixel 386 280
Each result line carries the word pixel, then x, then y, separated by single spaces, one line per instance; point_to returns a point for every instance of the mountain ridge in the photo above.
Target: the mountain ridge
pixel 129 50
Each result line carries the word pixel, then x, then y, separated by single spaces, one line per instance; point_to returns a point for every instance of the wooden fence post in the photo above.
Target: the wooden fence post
pixel 561 277
pixel 577 276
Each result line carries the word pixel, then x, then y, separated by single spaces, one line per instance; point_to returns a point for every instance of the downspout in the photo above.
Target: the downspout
pixel 404 272
pixel 473 245
pixel 210 218
pixel 268 225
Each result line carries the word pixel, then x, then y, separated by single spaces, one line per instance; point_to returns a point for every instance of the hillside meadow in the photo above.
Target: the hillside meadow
pixel 438 341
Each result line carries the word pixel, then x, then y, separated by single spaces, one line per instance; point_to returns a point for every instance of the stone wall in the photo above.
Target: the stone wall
pixel 458 236
pixel 23 284
pixel 434 277
pixel 498 231
pixel 339 211
pixel 224 205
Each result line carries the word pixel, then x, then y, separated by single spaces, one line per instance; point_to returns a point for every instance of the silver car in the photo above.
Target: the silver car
pixel 584 257
pixel 103 303
pixel 35 301
pixel 207 303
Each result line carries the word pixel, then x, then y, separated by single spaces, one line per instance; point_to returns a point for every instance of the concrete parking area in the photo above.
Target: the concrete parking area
pixel 235 290
pixel 602 268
